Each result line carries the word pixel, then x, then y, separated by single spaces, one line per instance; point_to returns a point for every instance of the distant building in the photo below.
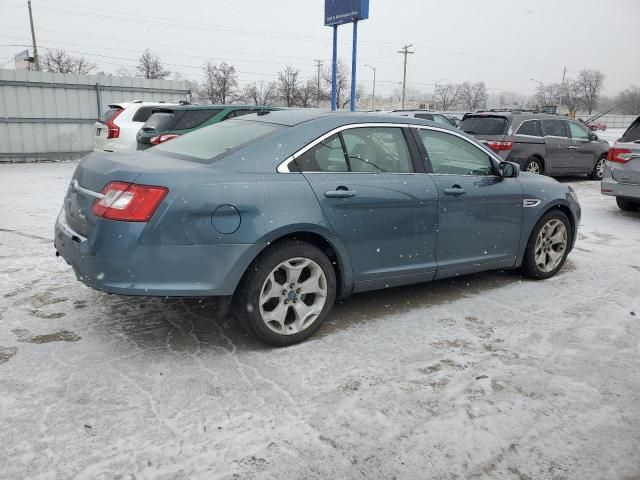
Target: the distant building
pixel 23 61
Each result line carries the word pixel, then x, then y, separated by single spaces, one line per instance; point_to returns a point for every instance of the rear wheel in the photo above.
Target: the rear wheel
pixel 534 165
pixel 548 246
pixel 598 169
pixel 286 293
pixel 627 205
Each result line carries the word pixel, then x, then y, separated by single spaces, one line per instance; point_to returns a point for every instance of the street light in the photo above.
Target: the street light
pixel 537 81
pixel 373 94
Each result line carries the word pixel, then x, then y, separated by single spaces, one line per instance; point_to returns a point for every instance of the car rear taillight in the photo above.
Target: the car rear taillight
pixel 113 130
pixel 163 138
pixel 498 146
pixel 129 202
pixel 619 155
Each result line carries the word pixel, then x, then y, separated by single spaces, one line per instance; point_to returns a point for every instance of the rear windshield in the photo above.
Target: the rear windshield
pixel 109 113
pixel 207 143
pixel 161 121
pixel 193 118
pixel 633 132
pixel 485 125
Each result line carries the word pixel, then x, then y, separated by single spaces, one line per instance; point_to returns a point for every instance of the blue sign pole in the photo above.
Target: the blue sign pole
pixel 334 70
pixel 354 66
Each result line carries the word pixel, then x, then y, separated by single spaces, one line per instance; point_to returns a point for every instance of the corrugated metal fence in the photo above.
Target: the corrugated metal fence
pixel 50 116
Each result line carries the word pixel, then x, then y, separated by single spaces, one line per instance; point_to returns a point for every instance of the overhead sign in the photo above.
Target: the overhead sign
pixel 338 12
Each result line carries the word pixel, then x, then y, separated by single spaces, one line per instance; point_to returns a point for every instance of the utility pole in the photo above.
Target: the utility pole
pixel 373 93
pixel 319 65
pixel 405 51
pixel 36 60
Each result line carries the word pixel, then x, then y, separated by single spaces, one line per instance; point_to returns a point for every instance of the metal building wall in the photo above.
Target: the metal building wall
pixel 50 116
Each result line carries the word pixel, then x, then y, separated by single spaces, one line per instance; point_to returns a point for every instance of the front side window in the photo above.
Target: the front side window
pixel 578 132
pixel 326 156
pixel 377 149
pixel 554 128
pixel 531 128
pixel 452 155
pixel 208 143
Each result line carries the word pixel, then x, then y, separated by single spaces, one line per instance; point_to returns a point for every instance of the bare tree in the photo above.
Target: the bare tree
pixel 628 101
pixel 591 83
pixel 361 93
pixel 342 81
pixel 473 96
pixel 572 95
pixel 150 66
pixel 308 94
pixel 262 93
pixel 446 95
pixel 220 83
pixel 288 85
pixel 59 61
pixel 549 94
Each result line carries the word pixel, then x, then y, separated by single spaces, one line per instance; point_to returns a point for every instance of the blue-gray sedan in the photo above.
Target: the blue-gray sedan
pixel 284 212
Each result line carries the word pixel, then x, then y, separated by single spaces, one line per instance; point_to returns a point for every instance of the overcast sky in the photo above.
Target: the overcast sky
pixel 504 43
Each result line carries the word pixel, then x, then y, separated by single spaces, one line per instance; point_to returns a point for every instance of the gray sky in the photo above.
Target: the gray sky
pixel 501 42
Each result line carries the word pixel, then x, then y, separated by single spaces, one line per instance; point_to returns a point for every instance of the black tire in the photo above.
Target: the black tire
pixel 529 265
pixel 534 165
pixel 598 173
pixel 246 299
pixel 627 205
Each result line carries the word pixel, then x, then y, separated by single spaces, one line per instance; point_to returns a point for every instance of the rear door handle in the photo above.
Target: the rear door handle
pixel 454 190
pixel 572 147
pixel 340 192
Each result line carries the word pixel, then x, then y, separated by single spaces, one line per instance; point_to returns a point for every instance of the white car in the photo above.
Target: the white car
pixel 116 131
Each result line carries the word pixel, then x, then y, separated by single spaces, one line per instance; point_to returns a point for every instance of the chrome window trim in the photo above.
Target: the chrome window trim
pixel 284 165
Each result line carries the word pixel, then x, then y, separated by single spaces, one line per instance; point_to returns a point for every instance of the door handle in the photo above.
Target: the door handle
pixel 572 147
pixel 340 192
pixel 454 190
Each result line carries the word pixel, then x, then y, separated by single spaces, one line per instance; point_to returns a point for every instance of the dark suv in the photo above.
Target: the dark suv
pixel 540 143
pixel 170 122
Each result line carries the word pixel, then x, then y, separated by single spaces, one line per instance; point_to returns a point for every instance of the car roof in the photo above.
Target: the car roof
pixel 221 107
pixel 297 116
pixel 516 115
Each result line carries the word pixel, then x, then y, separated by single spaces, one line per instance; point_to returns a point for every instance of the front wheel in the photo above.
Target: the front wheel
pixel 286 293
pixel 627 205
pixel 548 246
pixel 598 169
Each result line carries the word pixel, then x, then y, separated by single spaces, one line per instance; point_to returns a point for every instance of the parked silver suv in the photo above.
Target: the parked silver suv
pixel 622 169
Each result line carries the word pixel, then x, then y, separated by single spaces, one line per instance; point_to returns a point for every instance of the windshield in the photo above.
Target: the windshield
pixel 485 125
pixel 205 144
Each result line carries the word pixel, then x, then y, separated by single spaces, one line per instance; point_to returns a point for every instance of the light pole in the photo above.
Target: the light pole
pixel 405 51
pixel 537 81
pixel 373 93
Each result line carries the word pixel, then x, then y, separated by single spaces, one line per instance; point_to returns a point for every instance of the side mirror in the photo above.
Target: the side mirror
pixel 593 137
pixel 509 169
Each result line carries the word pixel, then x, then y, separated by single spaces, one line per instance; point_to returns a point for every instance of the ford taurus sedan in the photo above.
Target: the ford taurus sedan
pixel 284 212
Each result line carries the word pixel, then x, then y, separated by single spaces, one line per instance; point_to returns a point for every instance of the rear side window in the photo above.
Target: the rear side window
pixel 424 116
pixel 555 128
pixel 205 144
pixel 633 132
pixel 142 114
pixel 531 128
pixel 326 156
pixel 110 113
pixel 193 118
pixel 161 121
pixel 377 149
pixel 485 125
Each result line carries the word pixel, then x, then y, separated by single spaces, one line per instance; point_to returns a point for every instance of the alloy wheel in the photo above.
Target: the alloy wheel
pixel 600 168
pixel 293 296
pixel 533 167
pixel 551 245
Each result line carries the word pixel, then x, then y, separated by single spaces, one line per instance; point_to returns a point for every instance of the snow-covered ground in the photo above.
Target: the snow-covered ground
pixel 486 376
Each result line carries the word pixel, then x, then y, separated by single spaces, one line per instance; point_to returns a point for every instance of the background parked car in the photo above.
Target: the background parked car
pixel 622 170
pixel 167 123
pixel 540 143
pixel 116 130
pixel 426 115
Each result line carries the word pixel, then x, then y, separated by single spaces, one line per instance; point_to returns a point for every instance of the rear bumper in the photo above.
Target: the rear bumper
pixel 119 264
pixel 608 186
